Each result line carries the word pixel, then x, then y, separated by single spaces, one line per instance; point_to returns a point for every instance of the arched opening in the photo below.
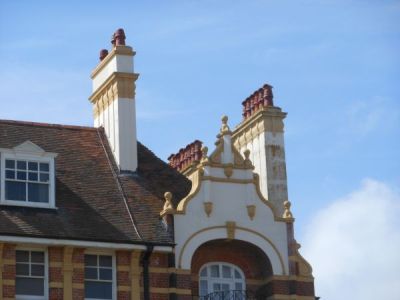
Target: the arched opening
pixel 216 258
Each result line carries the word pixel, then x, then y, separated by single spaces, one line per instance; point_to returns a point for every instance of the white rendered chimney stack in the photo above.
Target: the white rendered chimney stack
pixel 113 101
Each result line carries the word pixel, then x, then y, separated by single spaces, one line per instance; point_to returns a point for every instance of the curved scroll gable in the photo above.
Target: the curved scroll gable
pixel 303 267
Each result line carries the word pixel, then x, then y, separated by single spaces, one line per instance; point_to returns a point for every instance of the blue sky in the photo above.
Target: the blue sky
pixel 334 65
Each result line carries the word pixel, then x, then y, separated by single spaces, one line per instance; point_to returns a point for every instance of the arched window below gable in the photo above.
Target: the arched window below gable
pixel 219 277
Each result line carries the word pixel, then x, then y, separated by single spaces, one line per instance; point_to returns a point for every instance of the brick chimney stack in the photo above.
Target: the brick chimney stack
pixel 113 100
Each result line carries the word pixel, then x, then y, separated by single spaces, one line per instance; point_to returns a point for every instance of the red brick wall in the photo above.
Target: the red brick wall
pixel 288 287
pixel 249 258
pixel 8 271
pixel 78 274
pixel 56 278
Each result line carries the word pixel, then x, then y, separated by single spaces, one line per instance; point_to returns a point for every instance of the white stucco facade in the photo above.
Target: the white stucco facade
pixel 263 135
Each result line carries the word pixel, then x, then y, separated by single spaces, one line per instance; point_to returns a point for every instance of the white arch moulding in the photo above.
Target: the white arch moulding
pixel 243 234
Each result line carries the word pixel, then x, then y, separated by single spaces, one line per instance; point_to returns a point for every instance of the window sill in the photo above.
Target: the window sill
pixel 27 205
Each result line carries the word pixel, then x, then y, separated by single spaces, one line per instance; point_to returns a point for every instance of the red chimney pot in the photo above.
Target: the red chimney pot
pixel 103 54
pixel 119 37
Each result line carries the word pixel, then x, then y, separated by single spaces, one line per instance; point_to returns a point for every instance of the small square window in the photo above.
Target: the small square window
pixel 27 182
pixel 27 176
pixel 105 261
pixel 10 174
pixel 21 165
pixel 32 166
pixel 214 271
pixel 15 191
pixel 33 176
pixel 21 175
pixel 10 164
pixel 44 167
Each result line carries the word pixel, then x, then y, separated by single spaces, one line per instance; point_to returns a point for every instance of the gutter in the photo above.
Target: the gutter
pixel 85 244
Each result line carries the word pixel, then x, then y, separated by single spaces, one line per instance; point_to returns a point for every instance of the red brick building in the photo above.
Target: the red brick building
pixel 91 213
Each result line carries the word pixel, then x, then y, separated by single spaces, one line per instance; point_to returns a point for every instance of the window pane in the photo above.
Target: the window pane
pixel 203 288
pixel 214 271
pixel 38 192
pixel 21 175
pixel 37 257
pixel 204 272
pixel 44 177
pixel 22 256
pixel 238 286
pixel 10 174
pixel 98 290
pixel 44 167
pixel 105 274
pixel 22 269
pixel 216 287
pixel 37 270
pixel 21 165
pixel 225 286
pixel 90 260
pixel 91 273
pixel 29 286
pixel 237 274
pixel 33 176
pixel 10 164
pixel 33 166
pixel 105 261
pixel 15 191
pixel 226 272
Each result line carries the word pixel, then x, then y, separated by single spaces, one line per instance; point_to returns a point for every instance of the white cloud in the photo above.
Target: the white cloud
pixel 354 245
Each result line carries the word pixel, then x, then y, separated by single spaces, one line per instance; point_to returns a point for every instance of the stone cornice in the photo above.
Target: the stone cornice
pixel 267 119
pixel 117 50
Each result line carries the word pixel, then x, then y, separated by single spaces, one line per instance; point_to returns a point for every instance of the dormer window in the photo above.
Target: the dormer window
pixel 27 176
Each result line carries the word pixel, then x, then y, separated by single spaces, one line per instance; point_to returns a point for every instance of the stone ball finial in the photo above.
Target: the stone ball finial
pixel 103 54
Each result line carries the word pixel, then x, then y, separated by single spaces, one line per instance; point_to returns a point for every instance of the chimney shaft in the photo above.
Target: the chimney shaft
pixel 113 101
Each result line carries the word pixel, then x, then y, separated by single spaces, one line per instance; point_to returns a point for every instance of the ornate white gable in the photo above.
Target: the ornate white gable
pixel 225 202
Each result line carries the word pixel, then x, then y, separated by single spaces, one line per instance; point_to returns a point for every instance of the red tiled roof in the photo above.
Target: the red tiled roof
pixel 89 199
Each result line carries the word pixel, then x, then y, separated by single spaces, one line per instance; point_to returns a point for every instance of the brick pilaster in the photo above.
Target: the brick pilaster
pixel 123 276
pixel 7 270
pixel 78 274
pixel 55 256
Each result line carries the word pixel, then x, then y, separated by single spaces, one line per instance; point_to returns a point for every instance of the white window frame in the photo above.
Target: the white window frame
pixel 210 280
pixel 29 152
pixel 114 270
pixel 46 274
